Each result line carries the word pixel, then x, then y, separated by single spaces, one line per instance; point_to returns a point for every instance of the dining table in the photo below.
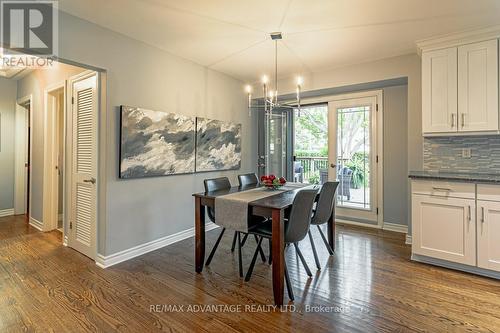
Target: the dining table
pixel 272 207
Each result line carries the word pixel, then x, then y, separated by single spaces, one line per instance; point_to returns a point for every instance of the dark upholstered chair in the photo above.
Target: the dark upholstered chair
pixel 248 179
pixel 217 184
pixel 345 178
pixel 324 209
pixel 296 229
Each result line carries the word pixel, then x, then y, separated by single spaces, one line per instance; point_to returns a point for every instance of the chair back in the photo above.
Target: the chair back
pixel 248 179
pixel 326 203
pixel 300 216
pixel 215 184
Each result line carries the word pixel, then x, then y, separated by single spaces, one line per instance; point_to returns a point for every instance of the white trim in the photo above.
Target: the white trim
pixel 357 224
pixel 408 240
pixel 6 212
pixel 139 250
pixel 20 160
pixel 36 224
pixel 455 266
pixel 456 39
pixel 395 227
pixel 50 182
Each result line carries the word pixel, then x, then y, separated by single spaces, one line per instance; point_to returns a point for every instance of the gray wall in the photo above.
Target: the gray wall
pixel 445 154
pixel 395 149
pixel 143 210
pixel 7 119
pixel 35 84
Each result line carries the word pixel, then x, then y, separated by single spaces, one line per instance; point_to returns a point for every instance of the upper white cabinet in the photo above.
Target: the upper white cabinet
pixel 439 90
pixel 478 86
pixel 460 89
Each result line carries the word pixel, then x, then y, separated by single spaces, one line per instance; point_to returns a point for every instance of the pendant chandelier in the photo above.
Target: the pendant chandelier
pixel 270 92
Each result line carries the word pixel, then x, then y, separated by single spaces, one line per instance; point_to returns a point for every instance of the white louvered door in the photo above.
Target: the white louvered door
pixel 83 226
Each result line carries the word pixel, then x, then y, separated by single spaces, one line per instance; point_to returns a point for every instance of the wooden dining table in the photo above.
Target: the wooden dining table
pixel 272 207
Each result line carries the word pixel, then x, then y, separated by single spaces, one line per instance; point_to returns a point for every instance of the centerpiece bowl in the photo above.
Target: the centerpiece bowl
pixel 272 182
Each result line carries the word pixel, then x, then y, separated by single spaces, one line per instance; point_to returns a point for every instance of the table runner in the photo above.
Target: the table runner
pixel 231 210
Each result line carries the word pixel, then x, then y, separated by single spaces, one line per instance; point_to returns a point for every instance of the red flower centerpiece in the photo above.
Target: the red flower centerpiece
pixel 272 182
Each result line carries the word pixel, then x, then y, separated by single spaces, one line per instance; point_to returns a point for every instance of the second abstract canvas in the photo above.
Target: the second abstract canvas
pixel 218 145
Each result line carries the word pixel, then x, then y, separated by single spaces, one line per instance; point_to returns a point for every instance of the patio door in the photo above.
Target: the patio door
pixel 274 156
pixel 354 145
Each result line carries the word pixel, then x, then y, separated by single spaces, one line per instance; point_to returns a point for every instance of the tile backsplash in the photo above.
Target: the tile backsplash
pixel 445 154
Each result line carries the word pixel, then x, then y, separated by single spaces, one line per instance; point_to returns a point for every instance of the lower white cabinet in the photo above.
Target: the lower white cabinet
pixel 444 227
pixel 488 235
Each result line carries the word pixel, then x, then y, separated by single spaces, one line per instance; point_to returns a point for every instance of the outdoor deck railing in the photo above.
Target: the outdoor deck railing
pixel 312 165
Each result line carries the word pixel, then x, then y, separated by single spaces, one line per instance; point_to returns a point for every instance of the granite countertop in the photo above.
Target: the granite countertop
pixel 456 176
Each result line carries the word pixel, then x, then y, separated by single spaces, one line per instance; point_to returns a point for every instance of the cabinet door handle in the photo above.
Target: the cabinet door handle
pixel 482 219
pixel 470 214
pixel 442 189
pixel 463 120
pixel 452 120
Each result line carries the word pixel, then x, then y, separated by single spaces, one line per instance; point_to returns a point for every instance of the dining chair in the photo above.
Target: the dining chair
pixel 321 215
pixel 296 228
pixel 251 179
pixel 248 179
pixel 218 184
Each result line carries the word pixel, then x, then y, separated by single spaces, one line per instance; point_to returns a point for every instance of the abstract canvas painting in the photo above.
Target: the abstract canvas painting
pixel 218 145
pixel 155 143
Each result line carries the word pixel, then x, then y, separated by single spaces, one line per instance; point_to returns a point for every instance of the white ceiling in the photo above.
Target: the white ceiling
pixel 232 36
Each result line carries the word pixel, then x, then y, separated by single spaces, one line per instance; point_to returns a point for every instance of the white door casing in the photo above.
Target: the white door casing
pixel 84 115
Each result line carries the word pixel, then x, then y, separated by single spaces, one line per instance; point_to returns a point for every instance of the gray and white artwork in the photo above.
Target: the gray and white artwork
pixel 155 143
pixel 218 145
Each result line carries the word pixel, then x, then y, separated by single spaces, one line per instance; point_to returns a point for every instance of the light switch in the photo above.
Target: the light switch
pixel 466 152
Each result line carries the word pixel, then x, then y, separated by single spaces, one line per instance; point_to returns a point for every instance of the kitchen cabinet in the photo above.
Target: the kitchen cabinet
pixel 457 224
pixel 488 233
pixel 478 87
pixel 460 89
pixel 444 222
pixel 439 90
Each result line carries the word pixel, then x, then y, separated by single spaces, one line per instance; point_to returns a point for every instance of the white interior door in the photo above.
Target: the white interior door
pixel 83 224
pixel 353 146
pixel 21 160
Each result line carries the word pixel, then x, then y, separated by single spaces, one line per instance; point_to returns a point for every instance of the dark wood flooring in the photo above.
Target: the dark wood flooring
pixel 370 285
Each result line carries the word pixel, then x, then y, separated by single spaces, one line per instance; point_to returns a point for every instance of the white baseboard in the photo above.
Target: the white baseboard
pixel 6 212
pixel 358 224
pixel 395 227
pixel 408 239
pixel 36 224
pixel 116 258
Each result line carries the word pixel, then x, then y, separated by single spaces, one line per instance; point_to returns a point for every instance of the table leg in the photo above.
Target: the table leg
pixel 199 227
pixel 278 256
pixel 331 231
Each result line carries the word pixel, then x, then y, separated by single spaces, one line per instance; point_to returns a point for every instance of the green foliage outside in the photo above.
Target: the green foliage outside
pixel 359 166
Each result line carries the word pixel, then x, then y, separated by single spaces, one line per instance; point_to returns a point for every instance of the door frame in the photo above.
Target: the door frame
pixel 50 153
pixel 20 188
pixel 378 94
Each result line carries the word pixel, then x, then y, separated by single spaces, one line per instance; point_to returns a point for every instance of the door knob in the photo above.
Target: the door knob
pixel 333 166
pixel 91 180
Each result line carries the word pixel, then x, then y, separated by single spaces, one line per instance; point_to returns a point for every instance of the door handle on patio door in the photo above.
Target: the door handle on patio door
pixel 91 180
pixel 333 166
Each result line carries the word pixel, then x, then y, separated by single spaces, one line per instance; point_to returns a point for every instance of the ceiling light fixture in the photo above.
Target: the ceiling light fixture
pixel 270 94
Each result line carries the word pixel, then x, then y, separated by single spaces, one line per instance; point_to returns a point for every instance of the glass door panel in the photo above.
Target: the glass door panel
pixel 352 143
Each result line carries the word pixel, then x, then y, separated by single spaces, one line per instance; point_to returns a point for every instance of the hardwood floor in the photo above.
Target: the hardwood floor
pixel 370 284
